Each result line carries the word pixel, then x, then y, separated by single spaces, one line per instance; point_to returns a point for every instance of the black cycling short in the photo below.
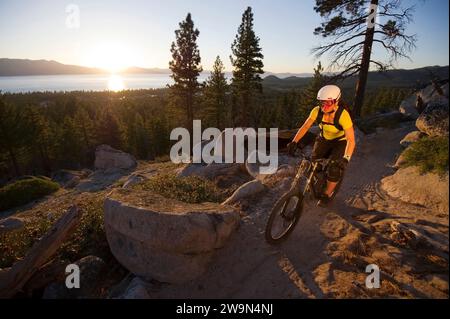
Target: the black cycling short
pixel 330 149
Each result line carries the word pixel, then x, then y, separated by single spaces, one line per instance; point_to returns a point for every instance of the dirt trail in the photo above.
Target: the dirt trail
pixel 326 255
pixel 328 251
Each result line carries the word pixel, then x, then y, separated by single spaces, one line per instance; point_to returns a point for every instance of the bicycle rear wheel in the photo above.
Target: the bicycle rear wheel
pixel 284 216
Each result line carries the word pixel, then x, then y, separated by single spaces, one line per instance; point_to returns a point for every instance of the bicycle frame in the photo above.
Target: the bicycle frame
pixel 309 172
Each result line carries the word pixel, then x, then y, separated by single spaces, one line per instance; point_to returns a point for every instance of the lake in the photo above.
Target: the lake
pixel 85 82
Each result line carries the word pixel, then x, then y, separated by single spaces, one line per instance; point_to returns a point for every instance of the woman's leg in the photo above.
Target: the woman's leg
pixel 330 188
pixel 335 173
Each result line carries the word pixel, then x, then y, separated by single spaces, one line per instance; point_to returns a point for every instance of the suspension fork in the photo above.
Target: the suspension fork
pixel 309 179
pixel 301 173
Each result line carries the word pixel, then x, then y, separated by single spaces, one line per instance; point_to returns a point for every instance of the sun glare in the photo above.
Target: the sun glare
pixel 115 83
pixel 112 57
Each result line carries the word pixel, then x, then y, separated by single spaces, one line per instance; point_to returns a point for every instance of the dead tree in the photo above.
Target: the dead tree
pixel 353 28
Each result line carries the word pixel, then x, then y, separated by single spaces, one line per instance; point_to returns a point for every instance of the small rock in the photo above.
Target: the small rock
pixel 90 270
pixel 400 161
pixel 133 180
pixel 408 106
pixel 137 289
pixel 107 157
pixel 74 181
pixel 411 137
pixel 68 178
pixel 246 190
pixel 10 224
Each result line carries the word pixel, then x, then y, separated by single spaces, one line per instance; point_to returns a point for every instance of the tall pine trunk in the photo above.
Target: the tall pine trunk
pixel 364 71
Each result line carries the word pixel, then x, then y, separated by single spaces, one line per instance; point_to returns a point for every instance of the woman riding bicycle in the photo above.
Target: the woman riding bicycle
pixel 336 140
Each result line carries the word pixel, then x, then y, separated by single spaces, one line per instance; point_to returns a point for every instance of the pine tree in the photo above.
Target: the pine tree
pixel 141 141
pixel 108 129
pixel 84 126
pixel 40 137
pixel 309 94
pixel 69 144
pixel 318 80
pixel 11 133
pixel 215 91
pixel 186 68
pixel 159 131
pixel 248 66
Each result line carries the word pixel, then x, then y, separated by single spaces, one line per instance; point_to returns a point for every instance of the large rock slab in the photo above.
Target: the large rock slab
pixel 429 190
pixel 163 239
pixel 107 157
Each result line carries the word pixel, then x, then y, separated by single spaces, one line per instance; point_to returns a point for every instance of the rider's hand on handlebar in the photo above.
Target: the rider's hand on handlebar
pixel 342 162
pixel 292 147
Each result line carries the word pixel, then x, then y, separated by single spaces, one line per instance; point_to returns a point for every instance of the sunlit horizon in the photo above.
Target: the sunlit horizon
pixel 112 57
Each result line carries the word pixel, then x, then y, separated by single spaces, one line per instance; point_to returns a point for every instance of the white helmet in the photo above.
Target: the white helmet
pixel 329 92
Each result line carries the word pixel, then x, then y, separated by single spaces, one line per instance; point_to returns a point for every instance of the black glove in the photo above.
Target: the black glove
pixel 342 162
pixel 292 147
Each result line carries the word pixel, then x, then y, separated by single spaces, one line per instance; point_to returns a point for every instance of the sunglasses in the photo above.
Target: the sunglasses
pixel 326 102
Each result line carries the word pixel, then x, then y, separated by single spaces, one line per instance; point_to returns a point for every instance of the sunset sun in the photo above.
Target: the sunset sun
pixel 112 57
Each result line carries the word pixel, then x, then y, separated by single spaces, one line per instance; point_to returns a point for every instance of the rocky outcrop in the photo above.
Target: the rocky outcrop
pixel 408 106
pixel 414 105
pixel 163 239
pixel 434 119
pixel 107 157
pixel 429 190
pixel 433 93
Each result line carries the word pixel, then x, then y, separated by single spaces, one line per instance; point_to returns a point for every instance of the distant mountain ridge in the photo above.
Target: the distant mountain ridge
pixel 18 67
pixel 389 78
pixel 23 67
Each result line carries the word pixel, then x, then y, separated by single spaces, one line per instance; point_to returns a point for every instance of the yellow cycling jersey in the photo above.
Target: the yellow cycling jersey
pixel 331 132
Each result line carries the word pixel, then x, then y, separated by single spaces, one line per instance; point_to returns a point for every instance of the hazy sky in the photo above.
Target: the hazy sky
pixel 140 32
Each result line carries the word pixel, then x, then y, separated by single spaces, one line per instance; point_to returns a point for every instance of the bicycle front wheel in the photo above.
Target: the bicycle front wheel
pixel 283 217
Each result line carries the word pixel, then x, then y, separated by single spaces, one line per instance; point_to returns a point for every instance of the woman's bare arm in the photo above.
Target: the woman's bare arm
pixel 302 130
pixel 350 136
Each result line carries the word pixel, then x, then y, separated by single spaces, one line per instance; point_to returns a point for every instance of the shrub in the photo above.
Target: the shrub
pixel 191 189
pixel 89 237
pixel 25 190
pixel 429 154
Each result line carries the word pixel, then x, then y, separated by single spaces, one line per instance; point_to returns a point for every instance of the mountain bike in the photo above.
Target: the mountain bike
pixel 309 180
